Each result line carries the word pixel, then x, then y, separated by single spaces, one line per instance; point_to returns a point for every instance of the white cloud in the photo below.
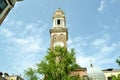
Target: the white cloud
pixel 24 45
pixel 103 45
pixel 104 4
pixel 83 60
pixel 100 51
pixel 112 1
pixel 28 44
pixel 101 7
pixel 77 43
pixel 100 42
pixel 105 50
pixel 6 33
pixel 21 41
pixel 105 27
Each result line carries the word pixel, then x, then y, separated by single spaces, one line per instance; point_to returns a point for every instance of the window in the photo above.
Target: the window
pixel 85 77
pixel 55 37
pixel 109 78
pixel 11 2
pixel 58 22
pixel 3 4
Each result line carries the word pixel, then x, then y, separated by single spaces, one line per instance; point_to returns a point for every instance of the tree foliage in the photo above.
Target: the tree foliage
pixel 31 74
pixel 116 77
pixel 118 60
pixel 57 64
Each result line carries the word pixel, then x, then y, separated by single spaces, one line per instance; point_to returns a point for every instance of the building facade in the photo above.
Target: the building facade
pixel 110 72
pixel 5 76
pixel 5 7
pixel 82 73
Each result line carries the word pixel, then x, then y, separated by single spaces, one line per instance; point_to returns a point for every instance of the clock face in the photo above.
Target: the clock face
pixel 62 37
pixel 58 44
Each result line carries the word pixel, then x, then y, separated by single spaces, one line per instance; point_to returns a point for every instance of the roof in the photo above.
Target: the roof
pixel 111 70
pixel 81 69
pixel 58 13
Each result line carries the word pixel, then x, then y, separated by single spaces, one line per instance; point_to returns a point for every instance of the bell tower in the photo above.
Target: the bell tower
pixel 58 32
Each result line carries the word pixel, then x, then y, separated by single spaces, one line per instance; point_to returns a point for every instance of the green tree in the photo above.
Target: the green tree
pixel 118 76
pixel 118 60
pixel 58 64
pixel 76 77
pixel 31 74
pixel 114 77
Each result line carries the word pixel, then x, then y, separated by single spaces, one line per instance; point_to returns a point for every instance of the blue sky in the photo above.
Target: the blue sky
pixel 93 27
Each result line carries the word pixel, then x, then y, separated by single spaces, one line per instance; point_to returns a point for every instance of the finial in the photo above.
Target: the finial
pixel 91 65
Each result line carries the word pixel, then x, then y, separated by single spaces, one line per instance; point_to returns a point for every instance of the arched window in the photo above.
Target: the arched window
pixel 58 22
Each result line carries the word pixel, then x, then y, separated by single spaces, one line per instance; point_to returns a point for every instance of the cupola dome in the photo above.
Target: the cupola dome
pixel 58 13
pixel 95 74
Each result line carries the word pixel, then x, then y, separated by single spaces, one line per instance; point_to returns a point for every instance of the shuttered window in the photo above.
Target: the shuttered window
pixel 3 5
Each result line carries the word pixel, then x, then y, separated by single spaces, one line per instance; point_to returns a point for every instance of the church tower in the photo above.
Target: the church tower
pixel 58 32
